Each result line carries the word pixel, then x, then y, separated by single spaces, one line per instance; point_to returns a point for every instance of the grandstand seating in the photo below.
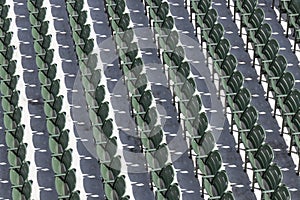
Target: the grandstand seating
pixel 257 155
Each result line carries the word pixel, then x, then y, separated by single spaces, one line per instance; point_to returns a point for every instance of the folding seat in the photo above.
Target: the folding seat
pixel 84 49
pixel 13 118
pixel 158 12
pixel 225 68
pixel 150 118
pixel 134 68
pixel 246 11
pixel 162 28
pixel 37 18
pixel 202 145
pixel 43 60
pixel 48 74
pixel 77 22
pixel 209 166
pixel 9 85
pixel 40 46
pixel 22 191
pixel 239 102
pixel 245 120
pixel 115 9
pixel 4 11
pixel 282 86
pixel 8 70
pixel 106 150
pixel 51 90
pixel 5 40
pixel 123 38
pixel 137 85
pixel 74 7
pixel 65 184
pixel 244 6
pixel 10 102
pixel 19 175
pixel 158 158
pixel 220 52
pixel 286 7
pixel 51 108
pixel 280 193
pixel 5 24
pixel 233 84
pixel 62 160
pixel 296 138
pixel 14 138
pixel 121 24
pixel 178 74
pixel 162 178
pixel 151 139
pixel 216 186
pixel 260 160
pixel 110 171
pixel 252 140
pixel 103 110
pixel 200 8
pixel 39 31
pixel 17 155
pixel 171 193
pixel 214 35
pixel 269 180
pixel 34 6
pixel 119 187
pixel 267 53
pixel 275 69
pixel 205 22
pixel 258 36
pixel 294 131
pixel 253 21
pixel 56 125
pixel 58 143
pixel 289 105
pixel 7 54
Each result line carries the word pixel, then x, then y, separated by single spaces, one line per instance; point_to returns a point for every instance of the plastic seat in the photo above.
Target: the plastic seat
pixel 217 186
pixel 210 165
pixel 110 171
pixel 258 36
pixel 65 184
pixel 171 193
pixel 252 140
pixel 282 87
pixel 253 21
pixel 233 83
pixel 245 120
pixel 157 159
pixel 106 151
pixel 294 129
pixel 268 53
pixel 22 191
pixel 260 159
pixel 269 180
pixel 152 139
pixel 280 193
pixel 59 143
pixel 205 22
pixel 163 178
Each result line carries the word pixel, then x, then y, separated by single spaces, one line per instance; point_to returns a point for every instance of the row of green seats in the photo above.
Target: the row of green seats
pixel 14 130
pixel 273 66
pixel 245 117
pixel 195 122
pixel 65 177
pixel 143 109
pixel 106 144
